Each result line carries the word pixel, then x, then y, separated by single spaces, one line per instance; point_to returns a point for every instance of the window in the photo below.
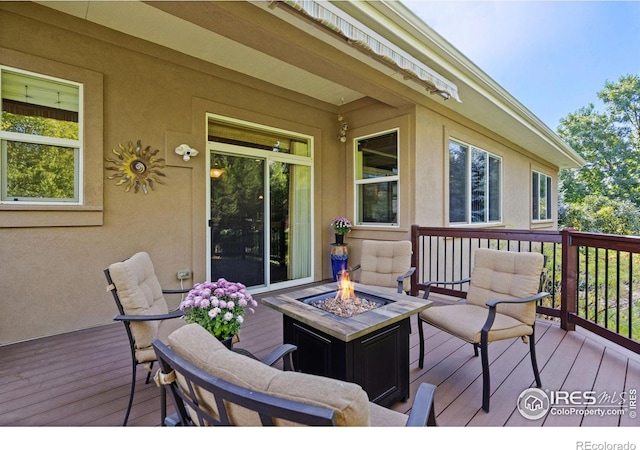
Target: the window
pixel 376 179
pixel 541 200
pixel 475 186
pixel 40 138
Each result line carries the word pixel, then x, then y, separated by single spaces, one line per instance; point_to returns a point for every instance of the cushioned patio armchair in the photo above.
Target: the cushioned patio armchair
pixel 386 264
pixel 143 311
pixel 212 386
pixel 504 289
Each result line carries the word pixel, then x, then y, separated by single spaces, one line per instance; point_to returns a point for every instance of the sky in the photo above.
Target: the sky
pixel 553 56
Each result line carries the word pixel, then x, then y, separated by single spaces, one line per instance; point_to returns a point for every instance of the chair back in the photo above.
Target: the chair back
pixel 383 262
pixel 348 402
pixel 501 274
pixel 137 291
pixel 203 399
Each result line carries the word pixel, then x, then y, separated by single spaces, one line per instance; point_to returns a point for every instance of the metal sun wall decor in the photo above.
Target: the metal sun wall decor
pixel 137 167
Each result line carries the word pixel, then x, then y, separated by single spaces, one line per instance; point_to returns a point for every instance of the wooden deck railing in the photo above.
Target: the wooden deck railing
pixel 593 279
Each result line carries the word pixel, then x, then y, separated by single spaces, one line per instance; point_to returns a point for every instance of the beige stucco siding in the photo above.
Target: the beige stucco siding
pixel 161 99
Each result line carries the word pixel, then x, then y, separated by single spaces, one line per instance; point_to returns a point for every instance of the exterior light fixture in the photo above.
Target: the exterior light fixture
pixel 186 152
pixel 342 134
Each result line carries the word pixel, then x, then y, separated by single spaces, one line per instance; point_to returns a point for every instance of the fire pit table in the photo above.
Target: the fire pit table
pixel 369 348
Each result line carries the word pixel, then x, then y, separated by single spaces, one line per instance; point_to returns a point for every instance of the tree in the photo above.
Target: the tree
pixel 610 144
pixel 599 214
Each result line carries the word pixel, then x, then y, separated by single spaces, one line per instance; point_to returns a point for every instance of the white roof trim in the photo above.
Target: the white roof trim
pixel 366 40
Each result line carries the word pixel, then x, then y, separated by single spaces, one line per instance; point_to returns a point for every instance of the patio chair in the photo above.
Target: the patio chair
pixel 146 316
pixel 386 264
pixel 504 288
pixel 143 311
pixel 210 385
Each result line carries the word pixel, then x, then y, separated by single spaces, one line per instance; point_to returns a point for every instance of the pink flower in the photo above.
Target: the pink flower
pixel 228 316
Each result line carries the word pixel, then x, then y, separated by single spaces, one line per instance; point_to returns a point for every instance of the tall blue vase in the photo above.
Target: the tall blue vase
pixel 339 259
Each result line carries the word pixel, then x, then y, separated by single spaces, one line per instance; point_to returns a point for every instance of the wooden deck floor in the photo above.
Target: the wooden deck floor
pixel 82 378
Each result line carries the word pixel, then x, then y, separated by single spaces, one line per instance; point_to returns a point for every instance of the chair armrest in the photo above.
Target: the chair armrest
pixel 493 303
pixel 423 412
pixel 353 269
pixel 285 351
pixel 401 279
pixel 175 291
pixel 538 296
pixel 427 285
pixel 142 318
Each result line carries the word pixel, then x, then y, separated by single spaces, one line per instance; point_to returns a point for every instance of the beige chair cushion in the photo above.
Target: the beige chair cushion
pixel 379 416
pixel 496 275
pixel 466 321
pixel 503 274
pixel 383 262
pixel 140 293
pixel 200 348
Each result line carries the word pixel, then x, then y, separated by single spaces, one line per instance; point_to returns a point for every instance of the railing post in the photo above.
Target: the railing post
pixel 569 284
pixel 415 259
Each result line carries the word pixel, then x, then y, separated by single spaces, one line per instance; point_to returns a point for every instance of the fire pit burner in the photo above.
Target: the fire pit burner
pixel 347 307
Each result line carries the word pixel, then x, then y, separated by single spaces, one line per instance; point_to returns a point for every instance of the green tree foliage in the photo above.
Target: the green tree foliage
pixel 610 144
pixel 37 170
pixel 600 214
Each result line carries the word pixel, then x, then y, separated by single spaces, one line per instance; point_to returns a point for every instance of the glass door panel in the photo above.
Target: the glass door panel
pixel 237 219
pixel 290 221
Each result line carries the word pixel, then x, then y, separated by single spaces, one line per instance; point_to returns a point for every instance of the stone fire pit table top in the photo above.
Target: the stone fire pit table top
pixel 346 328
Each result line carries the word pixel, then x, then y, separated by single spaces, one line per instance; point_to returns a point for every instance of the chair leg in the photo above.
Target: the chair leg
pixel 475 349
pixel 133 389
pixel 163 406
pixel 421 334
pixel 149 374
pixel 486 378
pixel 534 361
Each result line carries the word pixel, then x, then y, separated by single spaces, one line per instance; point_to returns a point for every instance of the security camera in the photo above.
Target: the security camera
pixel 186 152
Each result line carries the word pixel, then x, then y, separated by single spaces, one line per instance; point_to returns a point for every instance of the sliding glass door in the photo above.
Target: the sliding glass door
pixel 260 214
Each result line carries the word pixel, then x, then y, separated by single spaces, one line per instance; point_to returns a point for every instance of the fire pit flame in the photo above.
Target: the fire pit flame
pixel 345 288
pixel 346 302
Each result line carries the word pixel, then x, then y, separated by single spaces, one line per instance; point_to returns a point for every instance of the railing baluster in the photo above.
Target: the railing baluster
pixel 630 319
pixel 618 291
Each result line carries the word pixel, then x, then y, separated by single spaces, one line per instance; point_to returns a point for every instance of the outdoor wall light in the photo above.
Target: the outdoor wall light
pixel 186 152
pixel 342 134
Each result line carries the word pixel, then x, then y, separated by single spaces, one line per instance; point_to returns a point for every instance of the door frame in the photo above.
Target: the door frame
pixel 238 150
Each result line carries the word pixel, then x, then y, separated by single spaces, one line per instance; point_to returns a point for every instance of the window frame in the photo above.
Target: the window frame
pixel 468 201
pixel 536 196
pixel 75 144
pixel 91 211
pixel 361 181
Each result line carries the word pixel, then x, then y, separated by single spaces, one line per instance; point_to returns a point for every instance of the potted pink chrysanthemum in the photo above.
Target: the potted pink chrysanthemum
pixel 219 307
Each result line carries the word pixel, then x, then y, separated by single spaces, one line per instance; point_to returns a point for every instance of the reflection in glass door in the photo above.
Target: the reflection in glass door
pixel 246 189
pixel 237 219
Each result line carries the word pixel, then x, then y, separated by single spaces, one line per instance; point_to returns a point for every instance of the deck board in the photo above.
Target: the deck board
pixel 82 378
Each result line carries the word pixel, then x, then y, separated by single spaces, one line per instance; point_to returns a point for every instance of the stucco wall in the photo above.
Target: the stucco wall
pixel 432 152
pixel 51 277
